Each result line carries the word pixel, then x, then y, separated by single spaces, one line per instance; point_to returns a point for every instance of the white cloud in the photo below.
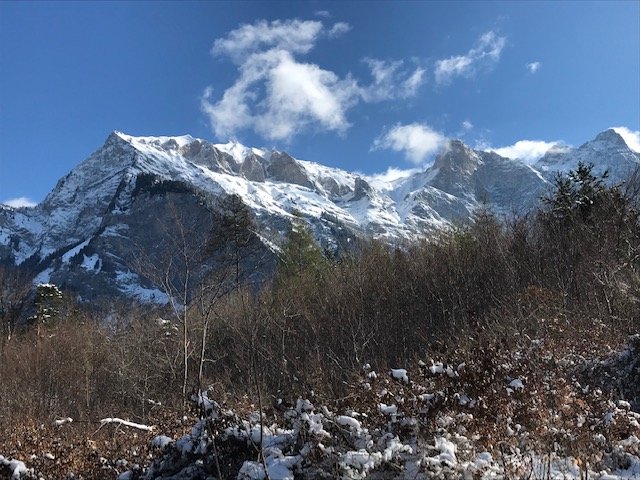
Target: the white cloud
pixel 452 67
pixel 392 174
pixel 391 81
pixel 294 36
pixel 533 67
pixel 278 96
pixel 322 13
pixel 631 138
pixel 338 29
pixel 20 202
pixel 467 125
pixel 416 140
pixel 528 151
pixel 231 113
pixel 300 94
pixel 485 53
pixel 410 86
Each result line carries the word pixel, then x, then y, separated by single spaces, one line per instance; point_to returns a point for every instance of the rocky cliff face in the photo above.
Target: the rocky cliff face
pixel 139 203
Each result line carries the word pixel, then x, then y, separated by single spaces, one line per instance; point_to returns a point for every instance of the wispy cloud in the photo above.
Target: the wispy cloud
pixel 381 180
pixel 338 29
pixel 417 141
pixel 322 13
pixel 467 125
pixel 391 80
pixel 278 96
pixel 294 36
pixel 631 138
pixel 484 54
pixel 533 67
pixel 20 202
pixel 529 151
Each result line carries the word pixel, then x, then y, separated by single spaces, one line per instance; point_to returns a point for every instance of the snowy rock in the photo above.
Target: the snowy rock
pixel 400 374
pixel 17 469
pixel 516 385
pixel 388 409
pixel 161 441
pixel 437 368
pixel 62 421
pixel 348 421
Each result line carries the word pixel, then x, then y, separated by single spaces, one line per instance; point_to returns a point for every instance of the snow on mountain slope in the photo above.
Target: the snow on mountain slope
pixel 118 198
pixel 608 151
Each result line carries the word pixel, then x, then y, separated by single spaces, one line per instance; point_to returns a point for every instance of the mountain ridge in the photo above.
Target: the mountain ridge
pixel 78 234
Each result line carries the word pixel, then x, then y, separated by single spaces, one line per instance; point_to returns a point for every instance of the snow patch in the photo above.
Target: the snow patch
pixel 161 441
pixel 16 468
pixel 43 277
pixel 74 251
pixel 129 284
pixel 400 374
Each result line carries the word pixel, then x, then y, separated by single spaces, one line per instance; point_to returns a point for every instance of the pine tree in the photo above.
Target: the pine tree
pixel 301 256
pixel 48 299
pixel 577 192
pixel 233 239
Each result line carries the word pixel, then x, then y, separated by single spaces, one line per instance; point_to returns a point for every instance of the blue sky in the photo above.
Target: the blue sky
pixel 359 85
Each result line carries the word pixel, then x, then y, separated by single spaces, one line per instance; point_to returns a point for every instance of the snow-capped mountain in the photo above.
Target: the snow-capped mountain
pixel 135 197
pixel 608 151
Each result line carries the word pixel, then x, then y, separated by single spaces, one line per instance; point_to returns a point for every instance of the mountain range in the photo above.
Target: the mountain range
pixel 109 226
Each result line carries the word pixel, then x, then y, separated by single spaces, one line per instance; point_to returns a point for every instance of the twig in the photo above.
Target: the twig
pixel 126 423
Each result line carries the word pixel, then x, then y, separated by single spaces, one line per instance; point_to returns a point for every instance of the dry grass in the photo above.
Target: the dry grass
pixel 86 449
pixel 562 408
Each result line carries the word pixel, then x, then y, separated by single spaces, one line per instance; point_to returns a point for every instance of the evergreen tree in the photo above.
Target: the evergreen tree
pixel 47 302
pixel 585 225
pixel 577 192
pixel 301 256
pixel 233 239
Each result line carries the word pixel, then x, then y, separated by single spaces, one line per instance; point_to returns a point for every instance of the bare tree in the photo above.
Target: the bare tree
pixel 175 266
pixel 240 258
pixel 206 253
pixel 15 288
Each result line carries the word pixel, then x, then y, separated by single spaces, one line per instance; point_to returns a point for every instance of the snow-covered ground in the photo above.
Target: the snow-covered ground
pixel 427 421
pixel 534 410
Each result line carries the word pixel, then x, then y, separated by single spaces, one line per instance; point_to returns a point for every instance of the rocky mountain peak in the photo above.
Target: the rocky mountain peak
pixel 164 143
pixel 361 189
pixel 611 137
pixel 457 156
pixel 608 141
pixel 252 168
pixel 454 168
pixel 283 168
pixel 608 152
